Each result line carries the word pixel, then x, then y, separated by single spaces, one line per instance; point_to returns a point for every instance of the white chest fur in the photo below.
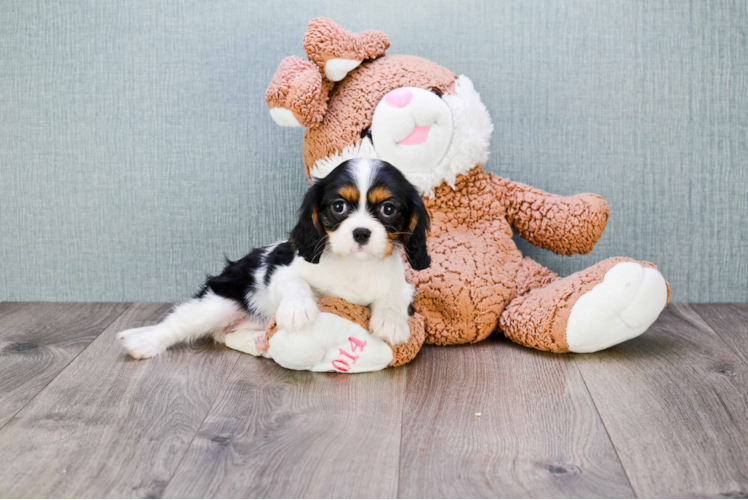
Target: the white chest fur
pixel 357 281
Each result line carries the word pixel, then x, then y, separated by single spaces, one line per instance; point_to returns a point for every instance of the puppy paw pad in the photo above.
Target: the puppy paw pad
pixel 296 314
pixel 140 345
pixel 390 330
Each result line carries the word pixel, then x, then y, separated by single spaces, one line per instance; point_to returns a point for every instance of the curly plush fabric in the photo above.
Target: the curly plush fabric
pixel 401 354
pixel 474 262
pixel 563 224
pixel 352 101
pixel 538 318
pixel 299 87
pixel 532 275
pixel 478 281
pixel 476 268
pixel 325 40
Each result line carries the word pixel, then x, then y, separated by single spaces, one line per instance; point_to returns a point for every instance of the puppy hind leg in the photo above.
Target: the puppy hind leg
pixel 249 341
pixel 210 314
pixel 246 335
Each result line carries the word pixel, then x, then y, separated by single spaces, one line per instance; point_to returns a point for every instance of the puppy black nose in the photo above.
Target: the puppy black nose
pixel 361 235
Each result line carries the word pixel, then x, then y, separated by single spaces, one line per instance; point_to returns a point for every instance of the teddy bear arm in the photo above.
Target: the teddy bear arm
pixel 565 225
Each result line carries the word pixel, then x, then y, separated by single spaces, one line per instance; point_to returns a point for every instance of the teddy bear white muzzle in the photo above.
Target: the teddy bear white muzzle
pixel 412 129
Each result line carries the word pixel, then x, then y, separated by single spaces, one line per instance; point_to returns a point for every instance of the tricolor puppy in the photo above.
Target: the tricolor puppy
pixel 345 243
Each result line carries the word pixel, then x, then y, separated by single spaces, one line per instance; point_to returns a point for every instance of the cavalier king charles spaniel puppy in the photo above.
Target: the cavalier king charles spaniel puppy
pixel 351 224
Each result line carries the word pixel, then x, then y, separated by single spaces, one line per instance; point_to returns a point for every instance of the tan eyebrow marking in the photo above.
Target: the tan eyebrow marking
pixel 378 195
pixel 350 193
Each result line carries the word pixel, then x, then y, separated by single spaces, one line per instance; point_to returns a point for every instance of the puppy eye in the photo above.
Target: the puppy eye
pixel 366 133
pixel 339 207
pixel 436 92
pixel 387 210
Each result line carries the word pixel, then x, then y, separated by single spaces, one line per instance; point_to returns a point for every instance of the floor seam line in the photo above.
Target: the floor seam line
pixel 66 366
pixel 605 427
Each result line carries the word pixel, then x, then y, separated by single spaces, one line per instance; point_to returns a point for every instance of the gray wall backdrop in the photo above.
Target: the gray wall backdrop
pixel 136 148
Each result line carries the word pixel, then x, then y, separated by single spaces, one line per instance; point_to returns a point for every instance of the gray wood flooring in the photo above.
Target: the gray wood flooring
pixel 663 415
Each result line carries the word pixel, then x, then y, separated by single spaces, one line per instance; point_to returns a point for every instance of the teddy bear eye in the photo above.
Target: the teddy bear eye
pixel 366 133
pixel 436 92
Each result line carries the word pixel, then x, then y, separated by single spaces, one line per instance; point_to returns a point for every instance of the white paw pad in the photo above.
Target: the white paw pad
pixel 621 307
pixel 296 314
pixel 389 329
pixel 141 343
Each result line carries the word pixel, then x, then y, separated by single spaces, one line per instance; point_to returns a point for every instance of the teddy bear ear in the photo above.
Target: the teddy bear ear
pixel 337 51
pixel 297 95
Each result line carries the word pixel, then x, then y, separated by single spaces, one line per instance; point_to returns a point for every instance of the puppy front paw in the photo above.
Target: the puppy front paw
pixel 141 343
pixel 296 314
pixel 392 330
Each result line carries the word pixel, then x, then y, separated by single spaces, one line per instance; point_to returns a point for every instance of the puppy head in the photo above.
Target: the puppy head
pixel 362 209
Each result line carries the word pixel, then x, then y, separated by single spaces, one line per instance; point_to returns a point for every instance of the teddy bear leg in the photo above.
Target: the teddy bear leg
pixel 606 304
pixel 339 340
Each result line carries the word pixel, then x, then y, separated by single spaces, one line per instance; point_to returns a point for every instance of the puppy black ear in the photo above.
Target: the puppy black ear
pixel 308 236
pixel 415 242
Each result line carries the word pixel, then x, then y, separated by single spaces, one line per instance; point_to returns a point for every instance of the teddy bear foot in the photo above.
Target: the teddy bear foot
pixel 337 341
pixel 332 343
pixel 627 301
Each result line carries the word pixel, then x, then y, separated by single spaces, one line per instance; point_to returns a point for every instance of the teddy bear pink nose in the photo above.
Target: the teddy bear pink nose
pixel 399 98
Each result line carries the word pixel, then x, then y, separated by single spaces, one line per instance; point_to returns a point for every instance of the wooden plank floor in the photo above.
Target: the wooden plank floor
pixel 663 415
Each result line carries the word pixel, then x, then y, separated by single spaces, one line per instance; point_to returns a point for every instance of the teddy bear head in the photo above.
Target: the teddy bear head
pixel 354 101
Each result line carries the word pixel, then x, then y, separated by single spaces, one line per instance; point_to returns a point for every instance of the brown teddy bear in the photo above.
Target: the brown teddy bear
pixel 431 124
